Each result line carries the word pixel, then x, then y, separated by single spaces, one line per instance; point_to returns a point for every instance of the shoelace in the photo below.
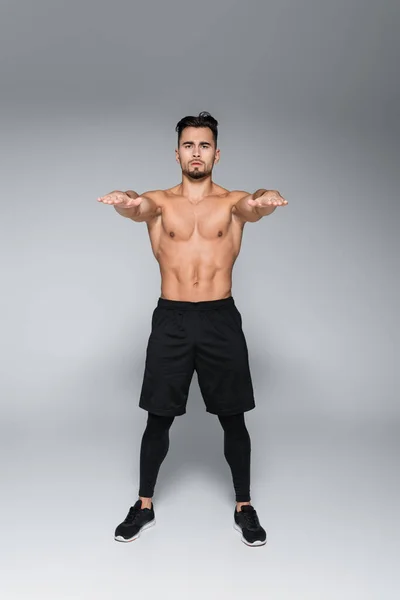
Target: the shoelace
pixel 132 514
pixel 251 519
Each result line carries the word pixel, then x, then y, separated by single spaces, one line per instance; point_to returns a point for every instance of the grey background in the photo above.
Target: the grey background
pixel 307 95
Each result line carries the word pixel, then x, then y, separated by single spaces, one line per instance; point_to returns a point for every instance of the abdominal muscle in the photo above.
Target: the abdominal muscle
pixel 195 272
pixel 195 284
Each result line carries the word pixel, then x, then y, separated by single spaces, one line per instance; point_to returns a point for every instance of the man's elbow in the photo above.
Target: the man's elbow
pixel 252 216
pixel 148 210
pixel 247 213
pixel 264 211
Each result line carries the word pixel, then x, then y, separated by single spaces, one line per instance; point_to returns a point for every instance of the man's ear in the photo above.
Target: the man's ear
pixel 217 156
pixel 177 156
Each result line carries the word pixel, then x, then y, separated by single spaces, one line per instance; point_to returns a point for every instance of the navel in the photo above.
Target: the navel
pixel 219 233
pixel 171 233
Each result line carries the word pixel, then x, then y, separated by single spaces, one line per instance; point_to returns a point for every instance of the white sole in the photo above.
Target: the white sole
pixel 256 543
pixel 119 538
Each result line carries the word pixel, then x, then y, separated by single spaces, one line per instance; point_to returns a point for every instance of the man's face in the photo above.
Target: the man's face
pixel 197 153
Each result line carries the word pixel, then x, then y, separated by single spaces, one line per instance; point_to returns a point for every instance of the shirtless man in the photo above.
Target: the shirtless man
pixel 195 230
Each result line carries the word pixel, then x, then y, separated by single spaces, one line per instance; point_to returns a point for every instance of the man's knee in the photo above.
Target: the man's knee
pixel 158 424
pixel 232 422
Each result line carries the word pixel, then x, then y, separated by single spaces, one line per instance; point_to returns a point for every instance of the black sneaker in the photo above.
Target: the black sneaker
pixel 137 520
pixel 247 523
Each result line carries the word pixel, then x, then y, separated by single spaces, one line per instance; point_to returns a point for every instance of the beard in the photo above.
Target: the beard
pixel 197 173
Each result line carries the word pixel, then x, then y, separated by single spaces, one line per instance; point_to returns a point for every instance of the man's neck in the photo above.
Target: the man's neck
pixel 196 190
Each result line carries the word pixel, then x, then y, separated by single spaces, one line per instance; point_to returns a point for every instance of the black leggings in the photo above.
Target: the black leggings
pixel 237 450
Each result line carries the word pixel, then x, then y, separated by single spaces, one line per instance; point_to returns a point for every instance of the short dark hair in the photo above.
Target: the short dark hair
pixel 204 119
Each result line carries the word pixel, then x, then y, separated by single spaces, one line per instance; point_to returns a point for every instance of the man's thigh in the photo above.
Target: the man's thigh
pixel 222 363
pixel 169 366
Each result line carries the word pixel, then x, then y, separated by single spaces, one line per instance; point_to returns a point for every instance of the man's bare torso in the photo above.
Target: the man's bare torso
pixel 196 243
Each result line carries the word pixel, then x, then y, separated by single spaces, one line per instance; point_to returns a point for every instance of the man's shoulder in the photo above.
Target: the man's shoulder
pixel 158 196
pixel 235 196
pixel 162 194
pixel 152 193
pixel 231 195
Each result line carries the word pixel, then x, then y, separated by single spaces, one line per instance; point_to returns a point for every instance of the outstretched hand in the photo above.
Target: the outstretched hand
pixel 266 198
pixel 120 199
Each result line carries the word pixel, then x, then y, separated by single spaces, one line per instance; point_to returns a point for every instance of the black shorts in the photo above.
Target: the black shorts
pixel 205 337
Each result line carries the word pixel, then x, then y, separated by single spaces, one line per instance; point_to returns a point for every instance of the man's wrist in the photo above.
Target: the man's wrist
pixel 132 194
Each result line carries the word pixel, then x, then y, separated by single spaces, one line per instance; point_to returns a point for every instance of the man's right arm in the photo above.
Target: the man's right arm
pixel 147 209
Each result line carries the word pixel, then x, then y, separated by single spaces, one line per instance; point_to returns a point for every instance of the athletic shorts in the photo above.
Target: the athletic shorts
pixel 205 337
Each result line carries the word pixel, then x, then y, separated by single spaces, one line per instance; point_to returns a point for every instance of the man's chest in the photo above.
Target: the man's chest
pixel 205 219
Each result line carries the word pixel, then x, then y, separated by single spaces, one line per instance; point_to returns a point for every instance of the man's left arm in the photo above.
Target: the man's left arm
pixel 252 207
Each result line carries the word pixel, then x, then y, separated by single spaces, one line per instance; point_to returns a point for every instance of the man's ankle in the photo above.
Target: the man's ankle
pixel 146 502
pixel 240 504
